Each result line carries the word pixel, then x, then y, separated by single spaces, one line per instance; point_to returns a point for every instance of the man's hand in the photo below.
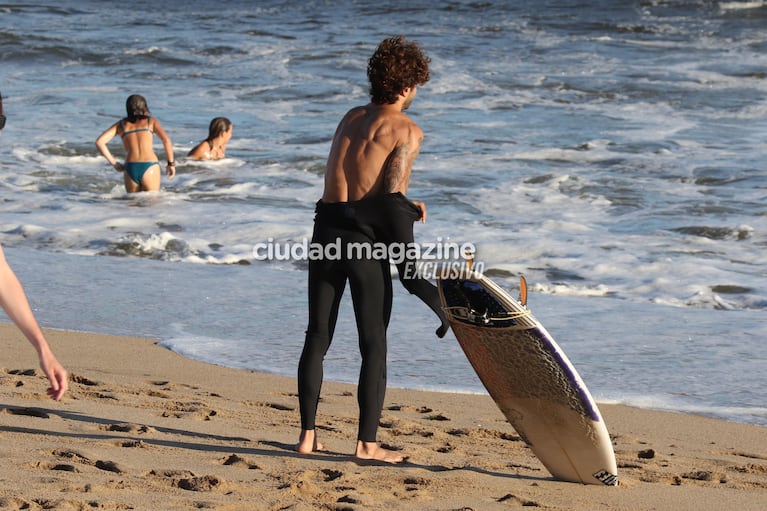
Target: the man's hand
pixel 422 206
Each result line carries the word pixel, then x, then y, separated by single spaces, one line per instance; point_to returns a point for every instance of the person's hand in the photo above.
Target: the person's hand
pixel 56 375
pixel 422 206
pixel 171 169
pixel 118 166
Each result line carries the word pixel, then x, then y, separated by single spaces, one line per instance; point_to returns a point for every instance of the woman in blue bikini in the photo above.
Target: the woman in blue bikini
pixel 141 170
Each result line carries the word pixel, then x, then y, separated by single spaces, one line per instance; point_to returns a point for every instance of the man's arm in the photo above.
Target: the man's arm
pixel 399 164
pixel 399 167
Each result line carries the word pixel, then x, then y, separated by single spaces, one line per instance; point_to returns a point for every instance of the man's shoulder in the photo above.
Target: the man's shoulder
pixel 356 111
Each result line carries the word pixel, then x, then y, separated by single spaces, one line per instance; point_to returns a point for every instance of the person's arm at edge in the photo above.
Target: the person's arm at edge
pixel 15 304
pixel 101 144
pixel 167 146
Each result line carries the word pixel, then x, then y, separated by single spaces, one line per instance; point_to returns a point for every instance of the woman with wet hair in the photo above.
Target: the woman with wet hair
pixel 214 147
pixel 141 170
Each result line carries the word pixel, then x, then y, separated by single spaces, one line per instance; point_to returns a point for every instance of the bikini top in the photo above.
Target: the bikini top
pixel 147 128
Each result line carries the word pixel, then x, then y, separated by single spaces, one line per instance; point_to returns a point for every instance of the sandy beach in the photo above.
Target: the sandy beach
pixel 143 428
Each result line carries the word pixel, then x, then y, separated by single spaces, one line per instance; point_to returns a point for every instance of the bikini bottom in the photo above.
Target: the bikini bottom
pixel 137 169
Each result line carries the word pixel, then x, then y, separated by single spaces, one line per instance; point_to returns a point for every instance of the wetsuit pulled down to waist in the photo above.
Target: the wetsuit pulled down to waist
pixel 369 280
pixel 337 215
pixel 137 169
pixel 389 219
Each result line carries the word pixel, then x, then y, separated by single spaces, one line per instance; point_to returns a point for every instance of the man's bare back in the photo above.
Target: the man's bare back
pixel 373 152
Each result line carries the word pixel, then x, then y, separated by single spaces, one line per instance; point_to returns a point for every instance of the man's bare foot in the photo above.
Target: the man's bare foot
pixel 307 442
pixel 372 451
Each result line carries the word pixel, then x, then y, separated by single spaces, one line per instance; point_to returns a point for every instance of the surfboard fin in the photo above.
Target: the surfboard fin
pixel 523 290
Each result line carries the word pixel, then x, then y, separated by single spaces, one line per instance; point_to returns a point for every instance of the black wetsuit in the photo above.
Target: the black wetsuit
pixel 384 219
pixel 389 219
pixel 370 284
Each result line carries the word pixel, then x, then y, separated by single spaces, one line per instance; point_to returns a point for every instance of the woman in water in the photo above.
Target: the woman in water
pixel 141 170
pixel 214 147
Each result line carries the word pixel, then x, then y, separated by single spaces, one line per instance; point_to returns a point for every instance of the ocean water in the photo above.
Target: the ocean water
pixel 610 152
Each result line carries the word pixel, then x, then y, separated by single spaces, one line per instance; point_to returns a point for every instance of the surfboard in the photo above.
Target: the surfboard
pixel 530 378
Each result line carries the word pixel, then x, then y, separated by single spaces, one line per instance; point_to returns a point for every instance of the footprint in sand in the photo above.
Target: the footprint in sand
pixel 752 468
pixel 169 474
pixel 82 380
pixel 202 483
pixel 156 393
pixel 495 434
pixel 518 501
pixel 23 372
pixel 331 475
pixel 106 465
pixel 128 428
pixel 743 455
pixel 280 407
pixel 14 503
pixel 412 483
pixel 99 395
pixel 275 406
pixel 29 412
pixel 71 455
pixel 63 467
pixel 109 466
pixel 131 443
pixel 186 480
pixel 239 461
pixel 408 408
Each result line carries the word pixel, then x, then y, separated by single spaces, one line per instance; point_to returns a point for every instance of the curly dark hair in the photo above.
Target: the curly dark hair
pixel 396 65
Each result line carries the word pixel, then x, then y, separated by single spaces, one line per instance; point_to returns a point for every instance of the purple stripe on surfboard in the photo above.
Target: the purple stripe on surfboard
pixel 469 292
pixel 572 378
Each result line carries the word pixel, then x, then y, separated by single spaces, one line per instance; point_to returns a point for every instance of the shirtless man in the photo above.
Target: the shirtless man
pixel 372 154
